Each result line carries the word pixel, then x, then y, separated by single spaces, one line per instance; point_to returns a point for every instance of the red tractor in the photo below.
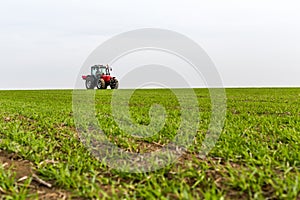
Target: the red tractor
pixel 100 77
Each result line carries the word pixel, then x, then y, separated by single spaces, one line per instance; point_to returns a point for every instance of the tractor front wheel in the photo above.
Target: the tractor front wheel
pixel 114 83
pixel 101 84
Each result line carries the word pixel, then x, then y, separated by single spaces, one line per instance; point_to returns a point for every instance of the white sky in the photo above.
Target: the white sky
pixel 44 43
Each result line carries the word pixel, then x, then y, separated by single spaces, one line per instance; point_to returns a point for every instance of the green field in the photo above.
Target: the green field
pixel 257 155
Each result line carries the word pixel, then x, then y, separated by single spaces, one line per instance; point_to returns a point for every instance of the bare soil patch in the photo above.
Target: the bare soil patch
pixel 24 170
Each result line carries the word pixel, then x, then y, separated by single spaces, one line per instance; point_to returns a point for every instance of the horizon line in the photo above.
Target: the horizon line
pixel 225 87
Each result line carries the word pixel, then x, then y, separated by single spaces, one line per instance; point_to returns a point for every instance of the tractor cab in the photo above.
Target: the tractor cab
pixel 98 70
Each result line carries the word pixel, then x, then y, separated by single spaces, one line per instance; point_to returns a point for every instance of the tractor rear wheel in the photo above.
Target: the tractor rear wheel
pixel 101 84
pixel 89 83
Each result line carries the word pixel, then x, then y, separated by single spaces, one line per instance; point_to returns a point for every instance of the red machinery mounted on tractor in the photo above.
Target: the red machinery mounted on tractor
pixel 100 77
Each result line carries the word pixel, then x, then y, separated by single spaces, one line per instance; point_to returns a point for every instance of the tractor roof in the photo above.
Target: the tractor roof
pixel 100 66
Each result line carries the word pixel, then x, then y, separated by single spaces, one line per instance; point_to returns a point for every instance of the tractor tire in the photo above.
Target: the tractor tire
pixel 101 84
pixel 89 83
pixel 114 84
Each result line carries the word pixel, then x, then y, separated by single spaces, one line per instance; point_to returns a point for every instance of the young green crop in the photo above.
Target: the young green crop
pixel 257 155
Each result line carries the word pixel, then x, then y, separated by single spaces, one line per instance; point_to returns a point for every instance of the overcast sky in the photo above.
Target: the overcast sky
pixel 44 43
